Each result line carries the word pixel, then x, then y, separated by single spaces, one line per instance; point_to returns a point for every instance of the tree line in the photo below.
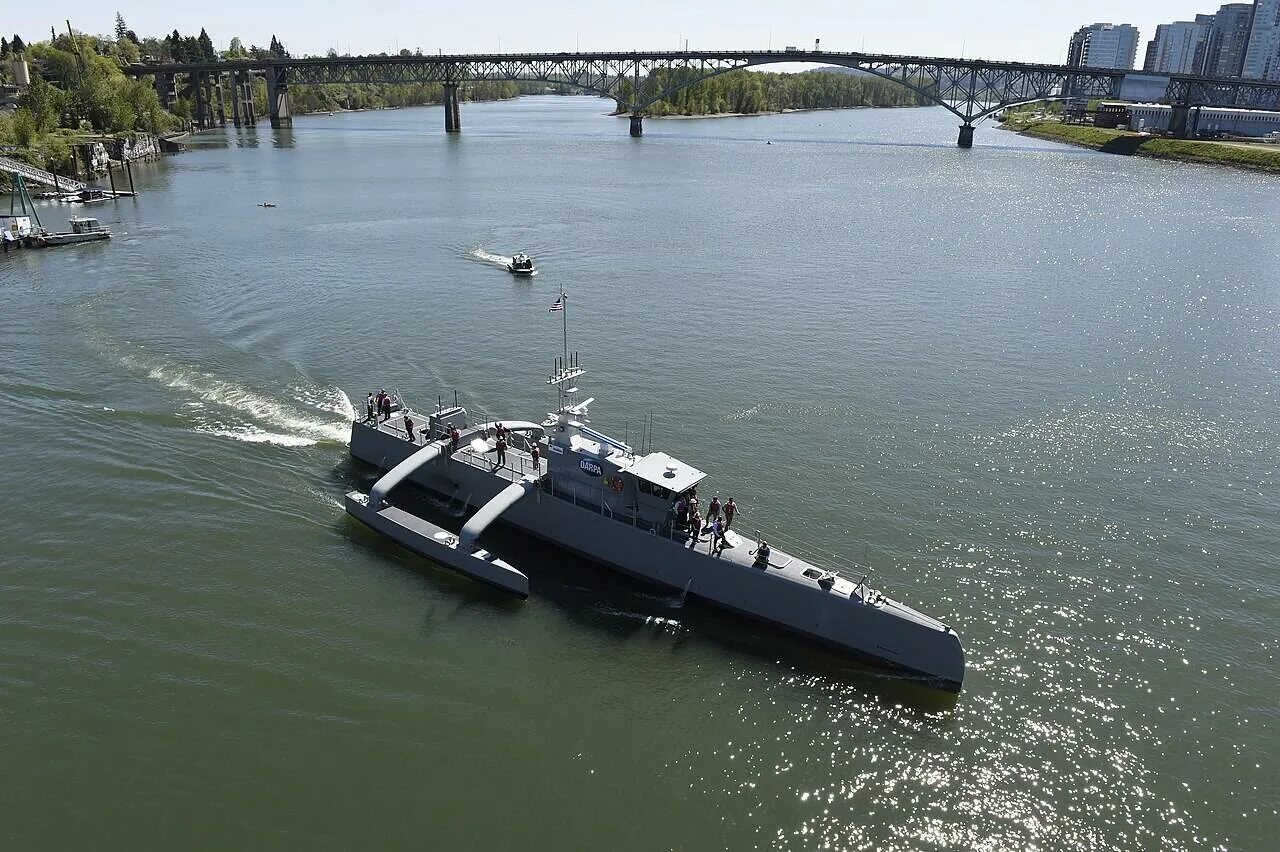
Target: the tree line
pixel 751 92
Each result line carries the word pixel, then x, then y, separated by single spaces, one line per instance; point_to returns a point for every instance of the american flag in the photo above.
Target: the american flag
pixel 557 306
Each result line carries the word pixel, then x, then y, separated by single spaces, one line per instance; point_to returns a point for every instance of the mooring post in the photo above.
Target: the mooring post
pixel 966 136
pixel 111 176
pixel 637 124
pixel 128 168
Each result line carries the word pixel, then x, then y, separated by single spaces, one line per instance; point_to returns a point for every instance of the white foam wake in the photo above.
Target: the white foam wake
pixel 482 255
pixel 309 415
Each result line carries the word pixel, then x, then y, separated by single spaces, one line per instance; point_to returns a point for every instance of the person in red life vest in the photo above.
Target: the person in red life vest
pixel 730 509
pixel 386 407
pixel 502 450
pixel 501 431
pixel 454 437
pixel 537 460
pixel 713 511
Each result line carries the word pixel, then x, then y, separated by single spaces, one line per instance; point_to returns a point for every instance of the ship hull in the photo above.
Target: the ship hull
pixel 862 630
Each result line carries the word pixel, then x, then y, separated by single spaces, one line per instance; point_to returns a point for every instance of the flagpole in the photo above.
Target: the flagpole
pixel 564 316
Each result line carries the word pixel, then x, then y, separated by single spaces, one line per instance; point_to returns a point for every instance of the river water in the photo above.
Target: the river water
pixel 1034 386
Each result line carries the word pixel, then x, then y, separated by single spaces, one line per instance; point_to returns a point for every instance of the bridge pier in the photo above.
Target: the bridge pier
pixel 637 124
pixel 245 93
pixel 966 136
pixel 235 98
pixel 167 89
pixel 278 97
pixel 218 99
pixel 452 114
pixel 202 100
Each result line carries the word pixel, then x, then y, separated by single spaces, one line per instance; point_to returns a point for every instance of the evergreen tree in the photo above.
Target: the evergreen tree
pixel 277 48
pixel 18 46
pixel 133 37
pixel 122 31
pixel 4 47
pixel 206 46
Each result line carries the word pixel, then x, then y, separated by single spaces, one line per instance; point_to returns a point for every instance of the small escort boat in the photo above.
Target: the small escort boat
pixel 563 481
pixel 84 229
pixel 521 264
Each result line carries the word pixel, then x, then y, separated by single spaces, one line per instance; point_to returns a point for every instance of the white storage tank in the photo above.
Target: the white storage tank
pixel 21 76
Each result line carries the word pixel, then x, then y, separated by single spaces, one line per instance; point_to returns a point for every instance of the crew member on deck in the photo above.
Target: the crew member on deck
pixel 730 509
pixel 713 511
pixel 536 454
pixel 454 437
pixel 762 555
pixel 371 412
pixel 408 427
pixel 695 528
pixel 501 445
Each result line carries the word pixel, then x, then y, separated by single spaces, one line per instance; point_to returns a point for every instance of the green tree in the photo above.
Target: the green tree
pixel 43 104
pixel 235 50
pixel 122 31
pixel 4 47
pixel 18 47
pixel 23 127
pixel 206 46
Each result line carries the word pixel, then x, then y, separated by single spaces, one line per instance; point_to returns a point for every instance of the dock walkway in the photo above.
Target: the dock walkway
pixel 41 176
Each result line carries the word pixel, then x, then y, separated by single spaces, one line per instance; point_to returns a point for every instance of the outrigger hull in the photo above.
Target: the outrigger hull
pixel 881 630
pixel 437 544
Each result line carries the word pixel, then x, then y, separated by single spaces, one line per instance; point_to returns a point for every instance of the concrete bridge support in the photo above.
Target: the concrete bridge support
pixel 245 93
pixel 452 115
pixel 966 136
pixel 278 97
pixel 235 98
pixel 167 90
pixel 219 100
pixel 199 84
pixel 637 124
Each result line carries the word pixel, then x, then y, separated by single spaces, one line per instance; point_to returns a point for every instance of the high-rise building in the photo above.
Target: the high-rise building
pixel 1229 40
pixel 1262 58
pixel 1103 46
pixel 1180 47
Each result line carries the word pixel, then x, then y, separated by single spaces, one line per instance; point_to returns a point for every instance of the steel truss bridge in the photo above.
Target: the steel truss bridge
pixel 972 89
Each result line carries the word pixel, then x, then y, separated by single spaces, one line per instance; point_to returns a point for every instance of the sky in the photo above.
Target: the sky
pixel 1026 30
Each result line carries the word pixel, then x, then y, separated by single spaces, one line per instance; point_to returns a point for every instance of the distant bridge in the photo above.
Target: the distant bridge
pixel 972 89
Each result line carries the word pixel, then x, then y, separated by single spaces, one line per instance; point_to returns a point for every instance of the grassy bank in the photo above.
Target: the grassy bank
pixel 1257 158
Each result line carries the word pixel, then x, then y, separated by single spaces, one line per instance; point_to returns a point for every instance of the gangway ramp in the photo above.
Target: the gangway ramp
pixel 32 173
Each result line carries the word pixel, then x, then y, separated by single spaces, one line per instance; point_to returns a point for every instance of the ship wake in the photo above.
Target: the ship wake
pixel 299 414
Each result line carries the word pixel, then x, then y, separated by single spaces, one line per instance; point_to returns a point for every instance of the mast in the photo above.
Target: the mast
pixel 567 369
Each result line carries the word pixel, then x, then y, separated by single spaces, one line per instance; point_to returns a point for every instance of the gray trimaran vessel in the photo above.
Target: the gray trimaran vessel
pixel 601 499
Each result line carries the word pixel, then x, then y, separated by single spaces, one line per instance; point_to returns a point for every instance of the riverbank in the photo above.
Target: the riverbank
pixel 1238 155
pixel 769 112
